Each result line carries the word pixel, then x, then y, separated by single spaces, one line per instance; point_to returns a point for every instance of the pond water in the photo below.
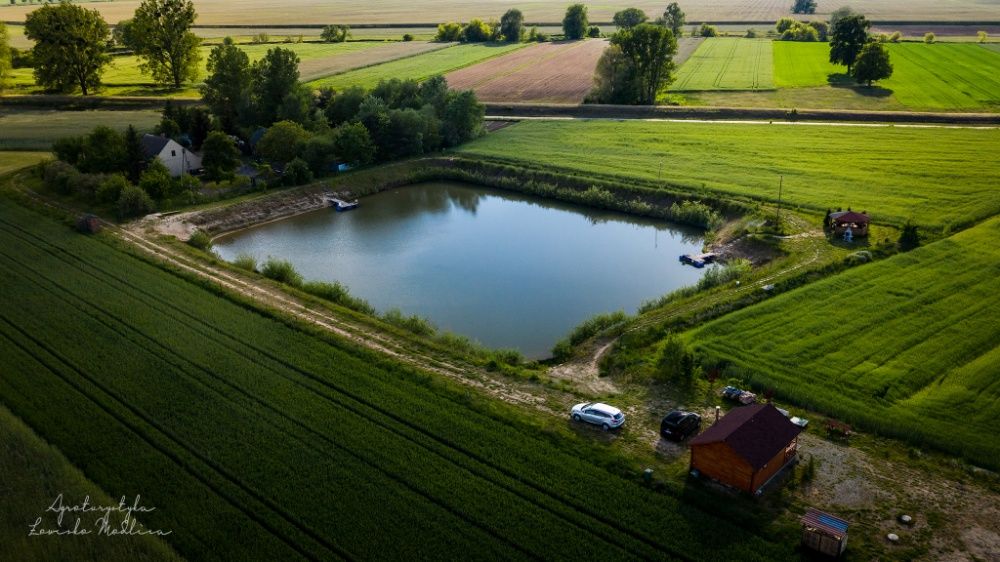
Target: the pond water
pixel 506 269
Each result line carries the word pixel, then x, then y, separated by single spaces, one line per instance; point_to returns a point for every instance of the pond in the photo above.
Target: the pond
pixel 506 269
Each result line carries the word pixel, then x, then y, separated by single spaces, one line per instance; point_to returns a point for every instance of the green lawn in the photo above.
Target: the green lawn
pixel 13 161
pixel 265 441
pixel 945 76
pixel 936 176
pixel 909 346
pixel 418 67
pixel 34 475
pixel 35 129
pixel 123 76
pixel 727 64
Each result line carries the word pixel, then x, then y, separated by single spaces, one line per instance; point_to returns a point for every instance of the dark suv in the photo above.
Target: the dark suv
pixel 680 425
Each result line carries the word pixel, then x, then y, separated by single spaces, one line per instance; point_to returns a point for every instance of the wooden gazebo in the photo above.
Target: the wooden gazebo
pixel 856 222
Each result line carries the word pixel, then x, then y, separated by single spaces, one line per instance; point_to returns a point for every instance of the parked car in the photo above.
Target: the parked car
pixel 608 417
pixel 679 425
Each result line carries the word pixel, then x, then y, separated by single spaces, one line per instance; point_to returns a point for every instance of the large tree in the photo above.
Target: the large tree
pixel 282 142
pixel 614 78
pixel 629 18
pixel 220 156
pixel 71 46
pixel 161 36
pixel 674 18
pixel 228 80
pixel 575 22
pixel 839 14
pixel 273 78
pixel 651 49
pixel 872 63
pixel 847 38
pixel 804 7
pixel 5 55
pixel 512 26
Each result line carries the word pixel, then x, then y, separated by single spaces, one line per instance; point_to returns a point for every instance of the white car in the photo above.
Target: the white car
pixel 608 417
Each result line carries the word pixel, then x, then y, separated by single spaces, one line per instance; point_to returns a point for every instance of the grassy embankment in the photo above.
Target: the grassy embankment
pixel 35 474
pixel 938 177
pixel 168 371
pixel 909 346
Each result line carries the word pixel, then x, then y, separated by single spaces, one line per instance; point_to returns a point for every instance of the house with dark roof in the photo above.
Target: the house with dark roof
pixel 746 447
pixel 853 221
pixel 175 157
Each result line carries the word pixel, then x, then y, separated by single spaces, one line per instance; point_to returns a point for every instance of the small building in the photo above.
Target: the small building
pixel 88 224
pixel 856 222
pixel 746 447
pixel 175 157
pixel 824 533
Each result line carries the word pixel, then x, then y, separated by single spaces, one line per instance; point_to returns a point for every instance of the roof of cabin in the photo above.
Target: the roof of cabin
pixel 757 433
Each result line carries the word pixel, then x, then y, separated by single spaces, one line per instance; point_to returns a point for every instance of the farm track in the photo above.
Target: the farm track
pixel 352 403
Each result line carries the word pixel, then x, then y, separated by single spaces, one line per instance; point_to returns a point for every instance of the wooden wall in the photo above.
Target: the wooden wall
pixel 718 461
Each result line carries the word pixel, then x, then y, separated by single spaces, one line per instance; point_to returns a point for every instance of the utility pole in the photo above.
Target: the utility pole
pixel 659 175
pixel 777 212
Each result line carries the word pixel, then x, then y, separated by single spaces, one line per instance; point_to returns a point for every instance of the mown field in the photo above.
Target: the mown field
pixel 36 129
pixel 297 12
pixel 724 63
pixel 936 176
pixel 546 72
pixel 418 67
pixel 945 76
pixel 11 161
pixel 909 346
pixel 123 76
pixel 34 475
pixel 251 436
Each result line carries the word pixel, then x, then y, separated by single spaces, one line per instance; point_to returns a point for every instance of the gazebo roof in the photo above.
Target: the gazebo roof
pixel 849 216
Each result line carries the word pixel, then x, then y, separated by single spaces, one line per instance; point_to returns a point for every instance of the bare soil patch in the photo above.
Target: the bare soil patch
pixel 560 72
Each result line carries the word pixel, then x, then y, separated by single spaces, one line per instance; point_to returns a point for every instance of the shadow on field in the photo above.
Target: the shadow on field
pixel 842 80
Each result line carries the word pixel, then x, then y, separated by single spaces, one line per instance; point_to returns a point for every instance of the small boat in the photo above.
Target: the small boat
pixel 341 205
pixel 698 260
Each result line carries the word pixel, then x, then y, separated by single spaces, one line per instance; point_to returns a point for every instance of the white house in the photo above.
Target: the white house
pixel 175 157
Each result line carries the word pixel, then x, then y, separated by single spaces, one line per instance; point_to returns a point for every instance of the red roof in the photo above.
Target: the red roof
pixel 850 216
pixel 757 433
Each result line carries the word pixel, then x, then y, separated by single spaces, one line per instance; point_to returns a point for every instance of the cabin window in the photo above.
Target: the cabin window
pixel 173 153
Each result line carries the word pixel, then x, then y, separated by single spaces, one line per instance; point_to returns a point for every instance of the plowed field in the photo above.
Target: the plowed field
pixel 548 72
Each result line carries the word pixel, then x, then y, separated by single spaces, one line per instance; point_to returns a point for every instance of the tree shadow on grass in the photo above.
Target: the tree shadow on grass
pixel 844 80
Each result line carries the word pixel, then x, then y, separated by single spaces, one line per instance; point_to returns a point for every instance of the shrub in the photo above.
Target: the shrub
pixel 449 32
pixel 929 37
pixel 59 176
pixel 751 34
pixel 858 258
pixel 511 357
pixel 200 239
pixel 588 329
pixel 338 294
pixel 260 38
pixel 593 32
pixel 895 37
pixel 282 271
pixel 335 33
pixel 676 361
pixel 246 261
pixel 134 202
pixel 909 238
pixel 983 36
pixel 156 180
pixel 297 172
pixel 694 213
pixel 111 188
pixel 708 30
pixel 731 271
pixel 407 37
pixel 784 24
pixel 412 323
pixel 538 36
pixel 476 31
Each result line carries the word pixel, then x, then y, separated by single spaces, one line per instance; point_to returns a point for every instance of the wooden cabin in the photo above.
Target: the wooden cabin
pixel 856 222
pixel 746 447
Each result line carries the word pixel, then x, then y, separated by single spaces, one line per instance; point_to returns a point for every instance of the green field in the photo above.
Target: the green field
pixel 936 176
pixel 419 67
pixel 35 129
pixel 11 161
pixel 727 64
pixel 798 64
pixel 123 76
pixel 909 346
pixel 945 76
pixel 34 475
pixel 246 432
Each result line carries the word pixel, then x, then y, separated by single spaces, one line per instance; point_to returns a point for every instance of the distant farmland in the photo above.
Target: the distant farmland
pixel 12 161
pixel 909 346
pixel 727 64
pixel 936 176
pixel 214 12
pixel 35 129
pixel 215 412
pixel 546 72
pixel 418 67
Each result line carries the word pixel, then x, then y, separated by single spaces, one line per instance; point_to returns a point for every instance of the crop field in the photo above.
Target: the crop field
pixel 545 72
pixel 922 364
pixel 297 12
pixel 243 431
pixel 11 161
pixel 35 129
pixel 722 63
pixel 123 76
pixel 34 474
pixel 945 76
pixel 936 176
pixel 798 65
pixel 418 67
